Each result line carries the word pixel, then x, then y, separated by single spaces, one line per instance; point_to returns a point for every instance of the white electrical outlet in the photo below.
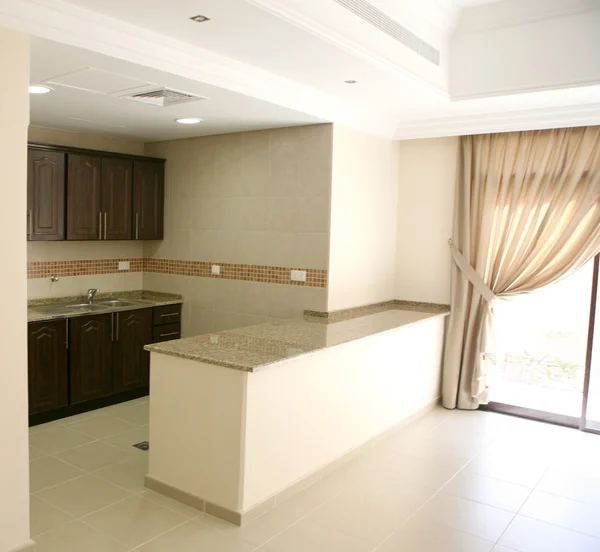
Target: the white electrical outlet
pixel 123 265
pixel 298 275
pixel 215 270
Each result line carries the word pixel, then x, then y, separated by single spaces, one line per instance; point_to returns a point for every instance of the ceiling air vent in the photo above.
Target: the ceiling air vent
pixel 389 26
pixel 164 97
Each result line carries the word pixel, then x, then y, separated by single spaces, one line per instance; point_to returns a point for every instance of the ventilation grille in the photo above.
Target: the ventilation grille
pixel 164 97
pixel 377 18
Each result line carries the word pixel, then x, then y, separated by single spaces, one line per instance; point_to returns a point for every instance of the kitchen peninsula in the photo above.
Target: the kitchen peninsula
pixel 241 417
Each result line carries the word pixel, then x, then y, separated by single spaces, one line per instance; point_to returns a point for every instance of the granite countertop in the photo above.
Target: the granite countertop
pixel 140 299
pixel 253 347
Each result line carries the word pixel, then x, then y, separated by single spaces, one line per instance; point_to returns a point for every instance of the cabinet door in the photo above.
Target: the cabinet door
pixel 47 365
pixel 131 362
pixel 148 200
pixel 117 187
pixel 45 196
pixel 84 195
pixel 90 346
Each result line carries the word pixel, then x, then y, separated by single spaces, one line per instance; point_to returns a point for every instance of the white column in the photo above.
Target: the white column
pixel 14 455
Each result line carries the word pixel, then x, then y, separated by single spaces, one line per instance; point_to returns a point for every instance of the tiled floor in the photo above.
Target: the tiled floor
pixel 451 482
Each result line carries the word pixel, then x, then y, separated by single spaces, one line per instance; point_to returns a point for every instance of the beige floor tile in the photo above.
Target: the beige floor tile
pixel 137 414
pixel 432 472
pixel 48 471
pixel 57 439
pixel 193 536
pixel 102 426
pixel 502 549
pixel 564 512
pixel 488 490
pixel 44 517
pixel 77 537
pixel 427 536
pixel 78 418
pixel 509 467
pixel 84 495
pixel 135 521
pixel 128 438
pixel 309 535
pixel 570 484
pixel 129 474
pixel 176 506
pixel 94 456
pixel 35 453
pixel 44 427
pixel 530 535
pixel 360 517
pixel 464 515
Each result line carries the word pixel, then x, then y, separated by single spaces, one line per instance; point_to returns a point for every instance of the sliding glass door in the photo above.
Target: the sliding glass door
pixel 590 419
pixel 544 367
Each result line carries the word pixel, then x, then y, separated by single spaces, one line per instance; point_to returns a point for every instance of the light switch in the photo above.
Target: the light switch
pixel 123 265
pixel 298 276
pixel 215 270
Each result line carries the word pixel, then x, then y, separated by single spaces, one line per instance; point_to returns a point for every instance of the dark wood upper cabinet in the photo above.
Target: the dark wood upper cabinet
pixel 47 365
pixel 45 196
pixel 133 330
pixel 84 197
pixel 148 200
pixel 91 357
pixel 117 183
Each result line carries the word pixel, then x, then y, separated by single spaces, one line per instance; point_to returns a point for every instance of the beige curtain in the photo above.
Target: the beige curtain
pixel 527 213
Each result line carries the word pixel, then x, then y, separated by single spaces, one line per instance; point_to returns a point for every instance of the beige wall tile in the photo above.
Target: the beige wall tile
pixel 254 248
pixel 203 213
pixel 313 251
pixel 283 249
pixel 284 214
pixel 230 320
pixel 285 179
pixel 313 214
pixel 76 251
pixel 39 288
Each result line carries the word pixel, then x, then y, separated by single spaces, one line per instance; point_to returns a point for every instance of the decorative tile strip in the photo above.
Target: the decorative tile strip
pixel 252 273
pixel 62 269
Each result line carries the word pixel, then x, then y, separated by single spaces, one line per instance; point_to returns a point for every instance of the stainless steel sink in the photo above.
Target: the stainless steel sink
pixel 85 307
pixel 115 303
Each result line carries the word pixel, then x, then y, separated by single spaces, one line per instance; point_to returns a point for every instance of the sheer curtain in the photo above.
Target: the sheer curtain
pixel 527 213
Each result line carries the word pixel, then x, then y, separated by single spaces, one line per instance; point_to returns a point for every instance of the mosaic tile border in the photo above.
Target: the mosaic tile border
pixel 229 271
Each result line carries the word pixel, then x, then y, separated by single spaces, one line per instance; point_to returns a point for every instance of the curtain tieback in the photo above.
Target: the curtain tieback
pixel 471 274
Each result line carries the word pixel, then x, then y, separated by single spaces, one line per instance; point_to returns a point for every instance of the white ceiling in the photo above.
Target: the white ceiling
pixel 269 63
pixel 100 110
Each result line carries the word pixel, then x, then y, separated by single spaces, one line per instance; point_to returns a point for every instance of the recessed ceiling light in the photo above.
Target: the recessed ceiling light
pixel 37 89
pixel 200 18
pixel 350 81
pixel 189 121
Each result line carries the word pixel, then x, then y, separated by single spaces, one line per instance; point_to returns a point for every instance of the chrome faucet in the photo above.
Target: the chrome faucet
pixel 91 295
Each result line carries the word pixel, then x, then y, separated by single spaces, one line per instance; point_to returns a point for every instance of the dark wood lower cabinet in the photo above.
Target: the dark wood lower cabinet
pixel 48 367
pixel 91 357
pixel 133 330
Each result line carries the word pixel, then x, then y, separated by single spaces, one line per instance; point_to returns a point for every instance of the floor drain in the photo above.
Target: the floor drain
pixel 144 445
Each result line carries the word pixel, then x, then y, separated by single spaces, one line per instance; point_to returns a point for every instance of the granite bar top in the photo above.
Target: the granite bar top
pixel 252 348
pixel 140 299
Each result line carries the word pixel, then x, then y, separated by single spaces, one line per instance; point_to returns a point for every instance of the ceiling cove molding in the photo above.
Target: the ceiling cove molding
pixel 531 119
pixel 306 23
pixel 65 23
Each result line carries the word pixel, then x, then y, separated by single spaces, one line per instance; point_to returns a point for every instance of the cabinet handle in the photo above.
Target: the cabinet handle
pixel 117 327
pixel 67 341
pixel 100 236
pixel 170 314
pixel 168 334
pixel 137 227
pixel 112 326
pixel 104 225
pixel 30 223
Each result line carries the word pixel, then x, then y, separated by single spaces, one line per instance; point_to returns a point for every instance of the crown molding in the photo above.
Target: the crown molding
pixel 65 23
pixel 299 19
pixel 530 119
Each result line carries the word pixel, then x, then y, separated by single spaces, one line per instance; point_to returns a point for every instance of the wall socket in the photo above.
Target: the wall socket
pixel 298 276
pixel 123 265
pixel 215 270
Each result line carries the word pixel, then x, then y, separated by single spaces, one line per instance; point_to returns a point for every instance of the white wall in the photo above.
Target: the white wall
pixel 555 52
pixel 364 193
pixel 14 459
pixel 331 402
pixel 427 173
